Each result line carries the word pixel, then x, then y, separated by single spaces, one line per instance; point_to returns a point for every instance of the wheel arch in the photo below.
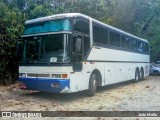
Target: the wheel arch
pixel 99 79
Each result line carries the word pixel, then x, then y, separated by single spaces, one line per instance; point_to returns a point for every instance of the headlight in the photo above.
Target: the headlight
pixel 22 75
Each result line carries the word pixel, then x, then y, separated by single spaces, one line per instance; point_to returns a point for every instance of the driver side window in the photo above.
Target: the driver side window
pixel 77 49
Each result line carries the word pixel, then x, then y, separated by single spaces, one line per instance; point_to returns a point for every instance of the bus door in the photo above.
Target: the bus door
pixel 77 52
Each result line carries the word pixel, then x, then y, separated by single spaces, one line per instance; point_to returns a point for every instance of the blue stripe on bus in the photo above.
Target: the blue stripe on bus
pixel 44 84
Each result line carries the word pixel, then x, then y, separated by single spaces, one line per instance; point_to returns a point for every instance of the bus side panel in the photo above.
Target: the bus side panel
pixel 111 55
pixel 146 69
pixel 110 73
pixel 121 72
pixel 130 71
pixel 77 82
pixel 80 80
pixel 119 65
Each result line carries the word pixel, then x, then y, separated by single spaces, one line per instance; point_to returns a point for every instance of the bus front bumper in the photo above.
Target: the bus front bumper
pixel 45 84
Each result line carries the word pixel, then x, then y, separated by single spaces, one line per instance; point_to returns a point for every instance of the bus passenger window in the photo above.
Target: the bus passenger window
pixel 117 40
pixel 146 49
pixel 133 45
pixel 96 34
pixel 140 47
pixel 112 38
pixel 104 36
pixel 81 26
pixel 122 41
pixel 125 42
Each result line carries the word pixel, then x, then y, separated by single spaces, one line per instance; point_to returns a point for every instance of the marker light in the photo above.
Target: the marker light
pixel 64 76
pixel 59 75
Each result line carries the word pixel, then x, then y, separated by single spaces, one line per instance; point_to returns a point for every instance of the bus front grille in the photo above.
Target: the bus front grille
pixel 38 75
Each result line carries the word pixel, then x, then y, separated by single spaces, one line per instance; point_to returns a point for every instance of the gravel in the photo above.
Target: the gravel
pixel 141 96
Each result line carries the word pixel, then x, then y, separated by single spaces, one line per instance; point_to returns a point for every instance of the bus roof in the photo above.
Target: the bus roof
pixel 54 17
pixel 67 15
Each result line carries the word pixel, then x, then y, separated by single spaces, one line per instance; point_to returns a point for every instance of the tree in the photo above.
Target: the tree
pixel 10 28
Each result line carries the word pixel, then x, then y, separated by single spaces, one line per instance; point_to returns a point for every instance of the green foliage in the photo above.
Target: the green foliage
pixel 10 28
pixel 134 16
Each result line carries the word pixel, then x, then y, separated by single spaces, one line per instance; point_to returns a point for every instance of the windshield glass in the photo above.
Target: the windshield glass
pixel 48 26
pixel 46 49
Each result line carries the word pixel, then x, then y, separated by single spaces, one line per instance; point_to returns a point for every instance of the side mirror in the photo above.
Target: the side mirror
pixel 77 45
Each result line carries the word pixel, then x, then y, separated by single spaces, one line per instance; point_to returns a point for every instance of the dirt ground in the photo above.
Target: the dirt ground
pixel 141 96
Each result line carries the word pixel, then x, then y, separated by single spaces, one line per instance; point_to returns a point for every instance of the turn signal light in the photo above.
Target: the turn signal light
pixel 64 76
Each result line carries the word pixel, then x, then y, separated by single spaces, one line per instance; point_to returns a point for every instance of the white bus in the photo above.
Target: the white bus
pixel 71 52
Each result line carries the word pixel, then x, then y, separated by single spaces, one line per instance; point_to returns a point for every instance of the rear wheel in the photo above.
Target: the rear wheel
pixel 137 76
pixel 92 85
pixel 156 73
pixel 141 74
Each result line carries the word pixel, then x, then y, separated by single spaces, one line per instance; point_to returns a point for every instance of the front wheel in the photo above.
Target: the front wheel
pixel 137 76
pixel 92 85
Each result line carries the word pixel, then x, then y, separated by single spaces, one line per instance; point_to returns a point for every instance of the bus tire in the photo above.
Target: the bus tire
pixel 137 76
pixel 141 74
pixel 92 85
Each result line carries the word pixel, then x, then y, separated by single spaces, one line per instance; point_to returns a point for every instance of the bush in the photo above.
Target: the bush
pixel 10 28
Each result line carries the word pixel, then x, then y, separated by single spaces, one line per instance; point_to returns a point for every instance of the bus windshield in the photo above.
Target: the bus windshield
pixel 46 49
pixel 48 26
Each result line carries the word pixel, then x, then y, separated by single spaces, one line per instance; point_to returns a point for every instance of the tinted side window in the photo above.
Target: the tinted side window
pixel 122 41
pixel 112 38
pixel 117 40
pixel 96 33
pixel 140 47
pixel 81 26
pixel 125 42
pixel 104 36
pixel 133 44
pixel 146 48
